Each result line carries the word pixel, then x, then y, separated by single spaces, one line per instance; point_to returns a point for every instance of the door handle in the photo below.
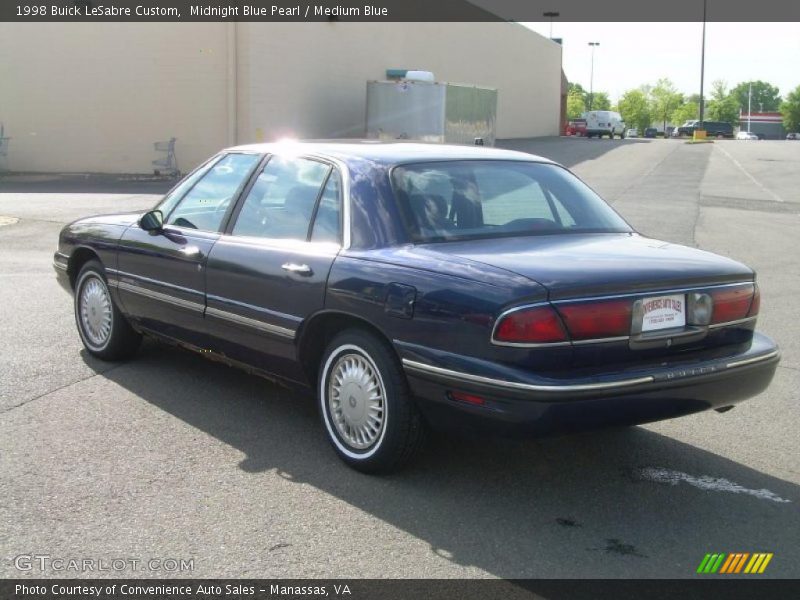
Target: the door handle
pixel 190 251
pixel 295 268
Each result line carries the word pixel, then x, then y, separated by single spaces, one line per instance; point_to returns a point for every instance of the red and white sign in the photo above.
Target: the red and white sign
pixel 663 312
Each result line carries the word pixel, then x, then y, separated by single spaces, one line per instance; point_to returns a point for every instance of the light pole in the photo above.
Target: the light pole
pixel 591 75
pixel 703 66
pixel 551 15
pixel 749 104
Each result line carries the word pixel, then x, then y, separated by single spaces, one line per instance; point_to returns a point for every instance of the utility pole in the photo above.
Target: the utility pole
pixel 703 66
pixel 749 102
pixel 591 75
pixel 551 15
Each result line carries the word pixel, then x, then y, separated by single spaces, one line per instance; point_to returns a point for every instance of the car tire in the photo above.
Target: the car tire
pixel 104 330
pixel 622 135
pixel 377 428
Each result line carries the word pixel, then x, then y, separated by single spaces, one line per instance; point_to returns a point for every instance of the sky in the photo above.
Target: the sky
pixel 631 54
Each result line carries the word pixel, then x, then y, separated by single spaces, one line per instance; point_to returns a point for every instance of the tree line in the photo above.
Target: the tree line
pixel 662 103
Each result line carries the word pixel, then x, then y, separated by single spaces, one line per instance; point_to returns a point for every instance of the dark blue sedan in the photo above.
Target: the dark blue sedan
pixel 413 285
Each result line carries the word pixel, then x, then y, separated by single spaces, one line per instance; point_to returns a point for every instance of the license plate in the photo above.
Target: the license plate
pixel 663 312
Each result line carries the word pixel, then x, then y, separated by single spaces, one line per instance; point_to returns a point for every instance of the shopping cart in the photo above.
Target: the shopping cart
pixel 169 164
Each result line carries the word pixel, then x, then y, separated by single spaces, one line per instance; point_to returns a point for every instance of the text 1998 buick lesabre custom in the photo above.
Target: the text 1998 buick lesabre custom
pixel 414 284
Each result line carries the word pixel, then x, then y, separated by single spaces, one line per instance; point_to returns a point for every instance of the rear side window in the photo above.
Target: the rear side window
pixel 328 220
pixel 477 199
pixel 281 203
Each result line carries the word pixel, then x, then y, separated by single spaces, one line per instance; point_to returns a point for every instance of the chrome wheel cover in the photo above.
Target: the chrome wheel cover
pixel 356 400
pixel 94 311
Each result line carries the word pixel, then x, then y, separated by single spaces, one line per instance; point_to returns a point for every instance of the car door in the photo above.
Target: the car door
pixel 268 272
pixel 160 276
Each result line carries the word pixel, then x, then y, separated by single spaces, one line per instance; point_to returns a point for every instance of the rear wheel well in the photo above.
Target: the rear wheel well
pixel 317 334
pixel 76 261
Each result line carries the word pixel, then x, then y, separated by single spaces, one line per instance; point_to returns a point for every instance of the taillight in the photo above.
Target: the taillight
pixel 733 303
pixel 599 319
pixel 535 325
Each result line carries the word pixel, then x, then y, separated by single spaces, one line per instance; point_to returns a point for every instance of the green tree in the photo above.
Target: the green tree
pixel 575 105
pixel 664 99
pixel 599 101
pixel 790 109
pixel 685 112
pixel 576 87
pixel 764 95
pixel 635 109
pixel 722 106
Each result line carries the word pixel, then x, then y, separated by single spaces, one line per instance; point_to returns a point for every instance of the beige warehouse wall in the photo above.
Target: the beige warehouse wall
pixel 309 79
pixel 94 97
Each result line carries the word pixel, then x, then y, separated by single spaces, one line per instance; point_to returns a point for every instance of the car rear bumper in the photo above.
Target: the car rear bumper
pixel 522 403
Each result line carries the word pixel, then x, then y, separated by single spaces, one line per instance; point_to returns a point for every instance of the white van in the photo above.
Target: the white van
pixel 604 122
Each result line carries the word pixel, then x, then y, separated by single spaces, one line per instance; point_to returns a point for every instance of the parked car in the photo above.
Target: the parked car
pixel 632 133
pixel 713 129
pixel 793 136
pixel 650 132
pixel 410 285
pixel 746 135
pixel 686 129
pixel 604 122
pixel 576 127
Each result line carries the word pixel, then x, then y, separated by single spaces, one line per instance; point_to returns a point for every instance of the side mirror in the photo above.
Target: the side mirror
pixel 152 221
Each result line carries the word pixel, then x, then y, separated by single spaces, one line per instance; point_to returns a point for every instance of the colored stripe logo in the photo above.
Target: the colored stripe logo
pixel 736 562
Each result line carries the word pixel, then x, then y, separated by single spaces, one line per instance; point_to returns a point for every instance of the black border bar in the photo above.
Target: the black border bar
pixel 397 10
pixel 697 588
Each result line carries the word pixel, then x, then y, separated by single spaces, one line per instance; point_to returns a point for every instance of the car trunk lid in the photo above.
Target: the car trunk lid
pixel 588 265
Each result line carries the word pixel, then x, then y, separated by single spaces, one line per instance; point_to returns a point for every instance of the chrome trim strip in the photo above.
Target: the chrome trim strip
pixel 62 255
pixel 155 282
pixel 255 308
pixel 252 323
pixel 425 368
pixel 531 345
pixel 621 338
pixel 59 266
pixel 180 302
pixel 731 323
pixel 750 361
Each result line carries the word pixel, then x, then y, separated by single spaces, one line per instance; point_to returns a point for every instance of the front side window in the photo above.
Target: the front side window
pixel 169 201
pixel 204 206
pixel 477 199
pixel 280 205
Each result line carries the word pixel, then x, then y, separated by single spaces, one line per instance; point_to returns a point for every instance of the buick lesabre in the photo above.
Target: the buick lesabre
pixel 408 285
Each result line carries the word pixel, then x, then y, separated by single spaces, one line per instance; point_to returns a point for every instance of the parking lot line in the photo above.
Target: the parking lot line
pixel 768 191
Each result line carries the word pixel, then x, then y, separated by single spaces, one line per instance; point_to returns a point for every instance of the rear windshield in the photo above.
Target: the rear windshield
pixel 477 199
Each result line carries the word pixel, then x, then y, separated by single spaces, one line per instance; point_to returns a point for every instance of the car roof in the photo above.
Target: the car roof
pixel 388 152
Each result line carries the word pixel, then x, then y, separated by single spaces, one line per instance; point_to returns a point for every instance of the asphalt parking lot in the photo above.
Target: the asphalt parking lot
pixel 172 457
